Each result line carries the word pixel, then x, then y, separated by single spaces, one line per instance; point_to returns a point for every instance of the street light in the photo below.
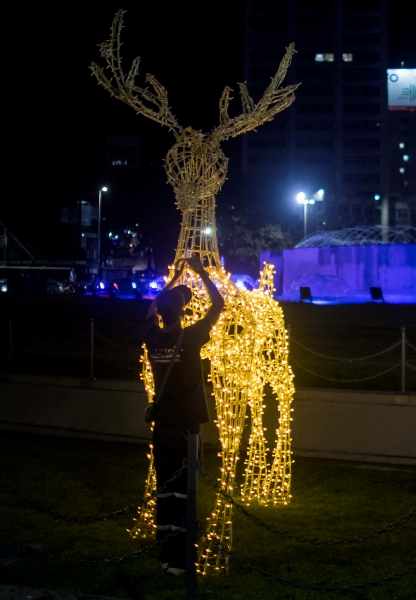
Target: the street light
pixel 103 189
pixel 302 199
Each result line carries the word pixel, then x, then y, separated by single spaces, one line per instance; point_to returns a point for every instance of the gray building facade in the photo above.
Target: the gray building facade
pixel 335 135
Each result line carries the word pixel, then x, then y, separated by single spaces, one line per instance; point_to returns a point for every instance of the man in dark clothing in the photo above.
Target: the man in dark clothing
pixel 182 406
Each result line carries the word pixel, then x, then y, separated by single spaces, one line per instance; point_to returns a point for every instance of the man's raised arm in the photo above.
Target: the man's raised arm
pixel 217 301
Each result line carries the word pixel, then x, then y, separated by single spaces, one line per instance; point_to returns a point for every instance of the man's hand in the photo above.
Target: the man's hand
pixel 179 266
pixel 195 265
pixel 217 302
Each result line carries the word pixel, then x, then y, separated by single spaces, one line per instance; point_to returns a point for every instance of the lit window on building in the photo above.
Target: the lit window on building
pixel 405 157
pixel 402 145
pixel 347 57
pixel 402 170
pixel 324 57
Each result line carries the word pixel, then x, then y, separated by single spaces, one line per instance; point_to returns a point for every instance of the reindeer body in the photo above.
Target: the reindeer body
pixel 248 345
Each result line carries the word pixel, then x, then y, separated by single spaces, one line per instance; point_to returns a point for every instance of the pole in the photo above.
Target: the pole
pixel 5 247
pixel 99 234
pixel 192 473
pixel 305 216
pixel 403 360
pixel 10 346
pixel 92 349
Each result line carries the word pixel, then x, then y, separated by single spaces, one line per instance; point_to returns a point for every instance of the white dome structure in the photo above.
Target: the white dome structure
pixel 349 265
pixel 359 236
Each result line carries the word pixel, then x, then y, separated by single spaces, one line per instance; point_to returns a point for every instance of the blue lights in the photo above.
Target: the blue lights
pixel 344 274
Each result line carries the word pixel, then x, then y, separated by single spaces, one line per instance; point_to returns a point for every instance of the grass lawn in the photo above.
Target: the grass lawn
pixel 51 336
pixel 330 499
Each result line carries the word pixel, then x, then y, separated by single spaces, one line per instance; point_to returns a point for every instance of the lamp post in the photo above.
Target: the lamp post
pixel 302 199
pixel 103 189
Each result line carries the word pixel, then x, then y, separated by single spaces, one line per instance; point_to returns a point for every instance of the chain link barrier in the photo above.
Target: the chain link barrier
pixel 67 361
pixel 128 348
pixel 88 520
pixel 295 584
pixel 395 366
pixel 411 346
pixel 102 357
pixel 103 561
pixel 309 586
pixel 299 538
pixel 51 342
pixel 348 360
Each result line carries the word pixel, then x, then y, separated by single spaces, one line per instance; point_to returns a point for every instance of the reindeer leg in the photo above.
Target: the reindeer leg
pixel 255 473
pixel 144 524
pixel 231 405
pixel 279 375
pixel 278 488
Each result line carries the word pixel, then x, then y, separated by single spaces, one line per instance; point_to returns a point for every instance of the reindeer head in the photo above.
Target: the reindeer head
pixel 195 166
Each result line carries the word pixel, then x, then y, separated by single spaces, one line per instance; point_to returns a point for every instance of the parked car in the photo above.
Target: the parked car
pixel 148 282
pixel 142 284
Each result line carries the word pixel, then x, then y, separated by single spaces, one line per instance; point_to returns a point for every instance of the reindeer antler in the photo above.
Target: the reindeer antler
pixel 123 86
pixel 274 100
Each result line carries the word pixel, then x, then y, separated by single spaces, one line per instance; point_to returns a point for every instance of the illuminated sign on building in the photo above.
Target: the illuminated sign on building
pixel 401 87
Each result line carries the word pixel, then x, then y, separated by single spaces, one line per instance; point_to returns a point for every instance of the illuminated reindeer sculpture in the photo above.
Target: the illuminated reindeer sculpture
pixel 248 346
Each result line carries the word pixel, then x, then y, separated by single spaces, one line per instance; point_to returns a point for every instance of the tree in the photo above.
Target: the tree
pixel 242 245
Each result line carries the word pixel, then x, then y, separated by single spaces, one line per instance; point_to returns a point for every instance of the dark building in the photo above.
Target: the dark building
pixel 335 136
pixel 123 151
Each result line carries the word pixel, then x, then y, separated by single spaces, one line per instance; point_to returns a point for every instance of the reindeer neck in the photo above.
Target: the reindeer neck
pixel 198 234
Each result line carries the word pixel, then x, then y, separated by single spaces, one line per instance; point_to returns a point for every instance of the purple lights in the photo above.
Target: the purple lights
pixel 341 274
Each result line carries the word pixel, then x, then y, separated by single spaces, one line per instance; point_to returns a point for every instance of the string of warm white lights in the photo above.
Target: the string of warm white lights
pixel 247 350
pixel 248 346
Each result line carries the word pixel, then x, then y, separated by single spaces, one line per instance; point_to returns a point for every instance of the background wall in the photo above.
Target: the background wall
pixel 348 425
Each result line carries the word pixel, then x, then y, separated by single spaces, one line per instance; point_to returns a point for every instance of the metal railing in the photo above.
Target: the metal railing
pixel 88 348
pixel 92 347
pixel 401 364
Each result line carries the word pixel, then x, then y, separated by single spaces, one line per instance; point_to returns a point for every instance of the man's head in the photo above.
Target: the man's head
pixel 170 304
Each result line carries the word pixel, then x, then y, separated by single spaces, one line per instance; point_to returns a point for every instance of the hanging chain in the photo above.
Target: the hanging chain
pixel 299 538
pixel 103 561
pixel 346 380
pixel 410 345
pixel 349 360
pixel 307 586
pixel 87 520
pixel 128 348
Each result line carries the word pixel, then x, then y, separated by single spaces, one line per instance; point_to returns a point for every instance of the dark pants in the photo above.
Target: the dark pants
pixel 169 451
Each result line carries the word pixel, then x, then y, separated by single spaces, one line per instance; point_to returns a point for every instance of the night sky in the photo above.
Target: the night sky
pixel 56 118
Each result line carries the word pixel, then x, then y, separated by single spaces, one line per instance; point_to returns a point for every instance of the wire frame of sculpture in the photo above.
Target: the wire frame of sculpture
pixel 247 350
pixel 248 346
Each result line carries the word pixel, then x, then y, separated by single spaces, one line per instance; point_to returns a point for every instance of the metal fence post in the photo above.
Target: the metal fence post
pixel 10 346
pixel 403 360
pixel 92 349
pixel 192 473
